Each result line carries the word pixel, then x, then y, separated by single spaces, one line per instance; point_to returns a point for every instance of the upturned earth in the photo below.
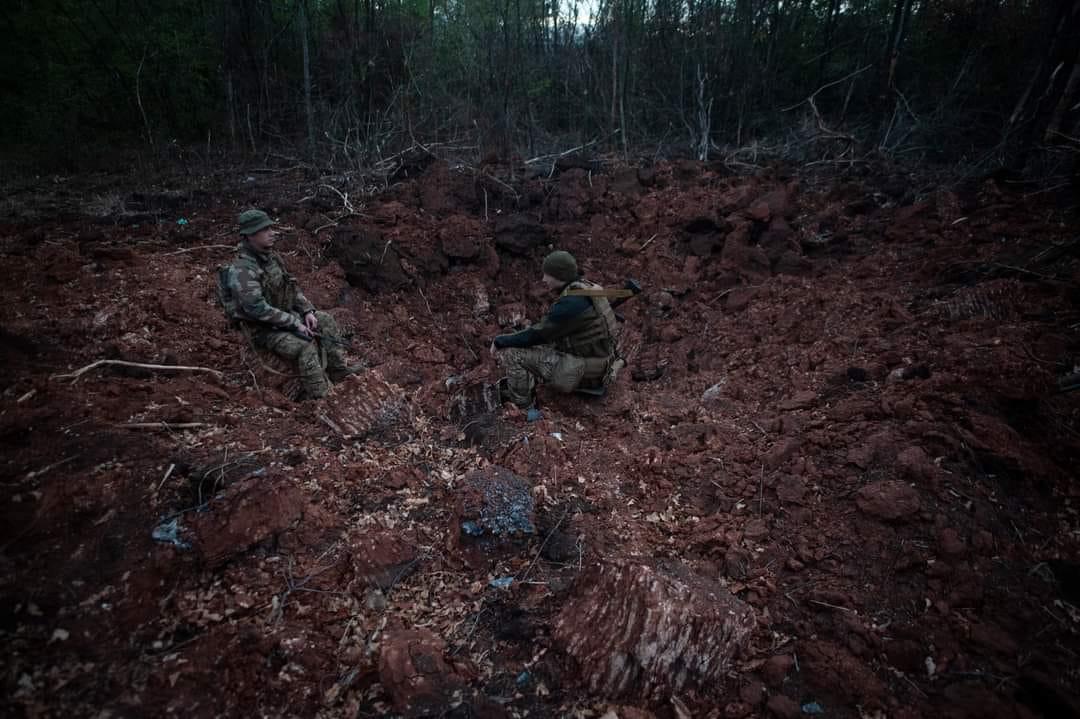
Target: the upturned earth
pixel 836 478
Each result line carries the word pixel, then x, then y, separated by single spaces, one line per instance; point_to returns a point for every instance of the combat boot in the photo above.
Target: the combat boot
pixel 338 374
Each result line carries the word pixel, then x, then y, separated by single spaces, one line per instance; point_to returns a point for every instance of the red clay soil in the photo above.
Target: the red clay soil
pixel 841 410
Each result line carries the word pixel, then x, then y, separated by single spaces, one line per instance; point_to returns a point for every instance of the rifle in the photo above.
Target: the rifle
pixel 321 338
pixel 630 289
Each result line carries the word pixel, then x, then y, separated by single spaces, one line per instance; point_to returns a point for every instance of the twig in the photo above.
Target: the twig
pixel 826 86
pixel 162 425
pixel 544 544
pixel 831 606
pixel 49 468
pixel 761 493
pixel 74 376
pixel 384 249
pixel 424 297
pixel 647 242
pixel 332 425
pixel 199 247
pixel 168 473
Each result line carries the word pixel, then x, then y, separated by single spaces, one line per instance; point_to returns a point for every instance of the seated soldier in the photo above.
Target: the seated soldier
pixel 574 347
pixel 263 295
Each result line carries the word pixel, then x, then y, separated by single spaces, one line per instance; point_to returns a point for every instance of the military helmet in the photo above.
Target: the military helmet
pixel 251 221
pixel 561 265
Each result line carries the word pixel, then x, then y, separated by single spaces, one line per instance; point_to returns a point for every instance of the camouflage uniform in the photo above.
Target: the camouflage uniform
pixel 572 348
pixel 273 306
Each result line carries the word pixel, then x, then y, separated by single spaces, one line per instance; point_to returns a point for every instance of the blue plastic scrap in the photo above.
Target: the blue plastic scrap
pixel 169 532
pixel 501 582
pixel 523 679
pixel 533 415
pixel 812 708
pixel 182 221
pixel 471 528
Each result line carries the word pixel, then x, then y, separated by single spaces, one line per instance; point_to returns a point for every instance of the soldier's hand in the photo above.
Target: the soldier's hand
pixel 303 330
pixel 311 322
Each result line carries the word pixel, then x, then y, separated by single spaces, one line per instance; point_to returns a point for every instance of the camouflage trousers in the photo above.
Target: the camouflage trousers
pixel 525 366
pixel 308 354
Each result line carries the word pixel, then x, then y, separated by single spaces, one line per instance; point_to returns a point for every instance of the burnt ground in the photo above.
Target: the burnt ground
pixel 841 405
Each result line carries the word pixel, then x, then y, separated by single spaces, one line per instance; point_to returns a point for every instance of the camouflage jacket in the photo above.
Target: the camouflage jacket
pixel 265 292
pixel 581 326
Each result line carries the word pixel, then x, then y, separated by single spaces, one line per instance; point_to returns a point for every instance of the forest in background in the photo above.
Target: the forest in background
pixel 982 84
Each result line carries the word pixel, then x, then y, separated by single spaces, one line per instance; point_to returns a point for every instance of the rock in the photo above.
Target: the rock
pixel 914 465
pixel 249 512
pixel 519 234
pixel 739 298
pixel 714 395
pixel 737 710
pixel 791 489
pixel 756 530
pixel 888 499
pixel 951 543
pixel 560 547
pixel 752 693
pixel 784 707
pixel 748 260
pixel 415 675
pixel 649 631
pixel 792 263
pixel 776 668
pixel 626 182
pixel 781 452
pixel 380 559
pixel 460 245
pixel 831 668
pixel 369 261
pixel 983 541
pixel 801 400
pixel 759 212
pixel 737 564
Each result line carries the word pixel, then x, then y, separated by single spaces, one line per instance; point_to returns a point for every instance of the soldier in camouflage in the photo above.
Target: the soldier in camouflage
pixel 267 299
pixel 573 348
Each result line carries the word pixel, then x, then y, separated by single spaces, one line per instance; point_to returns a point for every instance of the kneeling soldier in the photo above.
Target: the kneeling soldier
pixel 573 348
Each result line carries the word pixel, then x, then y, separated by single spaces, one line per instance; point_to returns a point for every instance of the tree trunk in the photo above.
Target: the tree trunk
pixel 1035 109
pixel 309 112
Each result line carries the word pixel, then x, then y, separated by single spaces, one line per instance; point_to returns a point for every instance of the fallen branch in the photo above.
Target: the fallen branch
pixel 74 376
pixel 163 425
pixel 200 247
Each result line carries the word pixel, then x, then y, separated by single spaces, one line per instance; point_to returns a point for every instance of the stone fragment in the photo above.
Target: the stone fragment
pixel 248 513
pixel 791 489
pixel 415 675
pixel 791 262
pixel 647 632
pixel 518 234
pixel 801 400
pixel 784 707
pixel 752 693
pixel 951 543
pixel 781 452
pixel 380 559
pixel 776 668
pixel 888 499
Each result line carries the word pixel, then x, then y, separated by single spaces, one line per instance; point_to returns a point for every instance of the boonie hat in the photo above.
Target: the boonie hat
pixel 251 221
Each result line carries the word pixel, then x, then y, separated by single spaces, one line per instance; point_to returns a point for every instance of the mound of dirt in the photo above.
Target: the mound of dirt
pixel 837 475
